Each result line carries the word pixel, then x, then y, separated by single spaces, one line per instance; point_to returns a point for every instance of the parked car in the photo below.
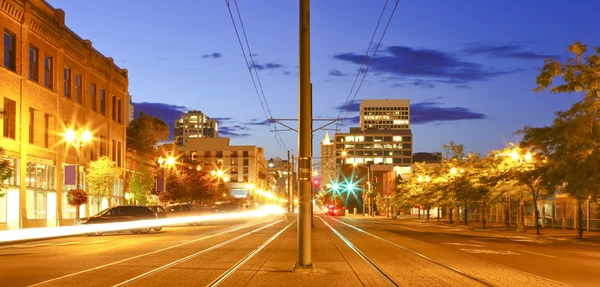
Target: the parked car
pixel 183 210
pixel 122 213
pixel 225 207
pixel 160 213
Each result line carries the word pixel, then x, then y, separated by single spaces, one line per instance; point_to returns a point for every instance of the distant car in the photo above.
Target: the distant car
pixel 160 214
pixel 332 210
pixel 183 210
pixel 122 213
pixel 225 207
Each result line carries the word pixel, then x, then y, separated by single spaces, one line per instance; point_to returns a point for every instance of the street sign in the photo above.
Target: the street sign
pixel 304 168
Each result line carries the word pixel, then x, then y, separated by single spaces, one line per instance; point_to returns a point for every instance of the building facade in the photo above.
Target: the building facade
pixel 385 114
pixel 195 124
pixel 373 147
pixel 241 166
pixel 52 80
pixel 328 165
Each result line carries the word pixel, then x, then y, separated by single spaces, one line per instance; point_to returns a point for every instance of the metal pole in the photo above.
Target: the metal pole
pixel 77 209
pixel 289 184
pixel 304 139
pixel 294 195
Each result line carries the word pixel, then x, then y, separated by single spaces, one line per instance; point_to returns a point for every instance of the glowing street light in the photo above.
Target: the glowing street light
pixel 78 140
pixel 198 168
pixel 344 153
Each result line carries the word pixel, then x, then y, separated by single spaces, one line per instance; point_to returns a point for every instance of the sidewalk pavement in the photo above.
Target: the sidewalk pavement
pixel 558 234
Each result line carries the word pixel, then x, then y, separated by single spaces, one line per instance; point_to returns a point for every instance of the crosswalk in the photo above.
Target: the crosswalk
pixel 51 244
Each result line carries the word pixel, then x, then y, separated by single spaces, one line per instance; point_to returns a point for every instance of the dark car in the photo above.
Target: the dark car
pixel 183 210
pixel 122 213
pixel 225 207
pixel 160 213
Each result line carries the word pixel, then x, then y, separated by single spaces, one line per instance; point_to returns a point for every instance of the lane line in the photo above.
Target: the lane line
pixel 540 254
pixel 362 255
pixel 145 254
pixel 193 255
pixel 235 267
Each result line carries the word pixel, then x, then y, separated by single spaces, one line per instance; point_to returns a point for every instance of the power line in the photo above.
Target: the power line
pixel 373 56
pixel 256 88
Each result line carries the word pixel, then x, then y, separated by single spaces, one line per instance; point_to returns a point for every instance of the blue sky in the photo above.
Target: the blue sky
pixel 467 66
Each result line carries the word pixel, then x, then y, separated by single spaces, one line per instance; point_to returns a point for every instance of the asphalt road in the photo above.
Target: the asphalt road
pixel 261 251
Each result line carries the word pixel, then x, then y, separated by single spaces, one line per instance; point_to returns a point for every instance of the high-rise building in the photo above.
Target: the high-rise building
pixel 328 166
pixel 53 81
pixel 385 114
pixel 195 124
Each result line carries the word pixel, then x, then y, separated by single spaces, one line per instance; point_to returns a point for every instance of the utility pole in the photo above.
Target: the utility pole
pixel 289 184
pixel 312 184
pixel 294 194
pixel 304 140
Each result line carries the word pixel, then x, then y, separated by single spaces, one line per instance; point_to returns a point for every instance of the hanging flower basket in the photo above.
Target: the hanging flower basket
pixel 164 196
pixel 77 197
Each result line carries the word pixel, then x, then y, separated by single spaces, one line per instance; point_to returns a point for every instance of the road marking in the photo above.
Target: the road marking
pixel 68 243
pixel 478 242
pixel 465 244
pixel 95 242
pixel 488 251
pixel 540 254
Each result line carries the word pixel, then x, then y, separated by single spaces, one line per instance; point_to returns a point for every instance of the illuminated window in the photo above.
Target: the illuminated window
pixel 388 160
pixel 360 160
pixel 397 138
pixel 378 160
pixel 360 138
pixel 349 160
pixel 349 139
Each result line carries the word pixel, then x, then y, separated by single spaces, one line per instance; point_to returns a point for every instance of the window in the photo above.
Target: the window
pixel 14 180
pixel 119 111
pixel 103 101
pixel 207 154
pixel 46 130
pixel 40 176
pixel 245 170
pixel 48 73
pixel 78 82
pixel 234 154
pixel 33 64
pixel 114 110
pixel 3 209
pixel 102 146
pixel 93 97
pixel 114 150
pixel 31 125
pixel 397 138
pixel 245 153
pixel 234 170
pixel 36 204
pixel 67 82
pixel 9 118
pixel 219 154
pixel 245 163
pixel 119 155
pixel 10 53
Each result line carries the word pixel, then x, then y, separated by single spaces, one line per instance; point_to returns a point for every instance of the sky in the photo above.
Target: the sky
pixel 468 67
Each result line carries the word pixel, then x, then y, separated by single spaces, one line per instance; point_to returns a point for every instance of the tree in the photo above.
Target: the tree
pixel 145 132
pixel 6 170
pixel 101 176
pixel 572 143
pixel 141 184
pixel 199 185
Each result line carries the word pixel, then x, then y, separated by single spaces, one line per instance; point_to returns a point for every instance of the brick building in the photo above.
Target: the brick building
pixel 52 80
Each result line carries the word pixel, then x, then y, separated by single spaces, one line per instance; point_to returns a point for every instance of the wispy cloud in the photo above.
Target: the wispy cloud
pixel 255 122
pixel 266 66
pixel 505 51
pixel 336 73
pixel 351 107
pixel 214 55
pixel 425 65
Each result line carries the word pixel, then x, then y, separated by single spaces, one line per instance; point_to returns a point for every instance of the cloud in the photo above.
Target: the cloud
pixel 504 51
pixel 214 55
pixel 255 122
pixel 166 112
pixel 336 73
pixel 351 107
pixel 232 132
pixel 266 66
pixel 432 112
pixel 435 66
pixel 350 121
pixel 219 120
pixel 287 73
pixel 423 84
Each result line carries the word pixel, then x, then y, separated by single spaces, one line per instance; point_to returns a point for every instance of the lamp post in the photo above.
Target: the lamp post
pixel 164 163
pixel 78 140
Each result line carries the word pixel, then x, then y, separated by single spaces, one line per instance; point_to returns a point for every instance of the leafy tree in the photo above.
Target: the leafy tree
pixel 572 143
pixel 144 132
pixel 6 170
pixel 141 184
pixel 199 185
pixel 101 176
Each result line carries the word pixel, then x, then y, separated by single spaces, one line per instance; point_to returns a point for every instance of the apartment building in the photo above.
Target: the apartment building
pixel 239 166
pixel 51 80
pixel 195 124
pixel 385 114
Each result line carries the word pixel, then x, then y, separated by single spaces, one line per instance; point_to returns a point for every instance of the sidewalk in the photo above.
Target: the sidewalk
pixel 557 234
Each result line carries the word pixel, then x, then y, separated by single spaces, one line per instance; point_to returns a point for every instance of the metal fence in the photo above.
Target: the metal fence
pixel 554 214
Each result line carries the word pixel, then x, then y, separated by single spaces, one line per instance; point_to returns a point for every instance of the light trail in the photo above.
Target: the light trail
pixel 9 236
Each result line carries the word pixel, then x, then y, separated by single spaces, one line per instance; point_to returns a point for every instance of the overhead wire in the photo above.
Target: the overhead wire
pixel 372 57
pixel 262 99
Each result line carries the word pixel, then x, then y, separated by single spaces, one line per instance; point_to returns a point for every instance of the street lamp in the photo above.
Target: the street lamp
pixel 369 191
pixel 164 163
pixel 78 140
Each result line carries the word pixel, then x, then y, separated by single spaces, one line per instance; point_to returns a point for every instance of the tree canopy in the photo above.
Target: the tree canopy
pixel 6 169
pixel 101 176
pixel 145 132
